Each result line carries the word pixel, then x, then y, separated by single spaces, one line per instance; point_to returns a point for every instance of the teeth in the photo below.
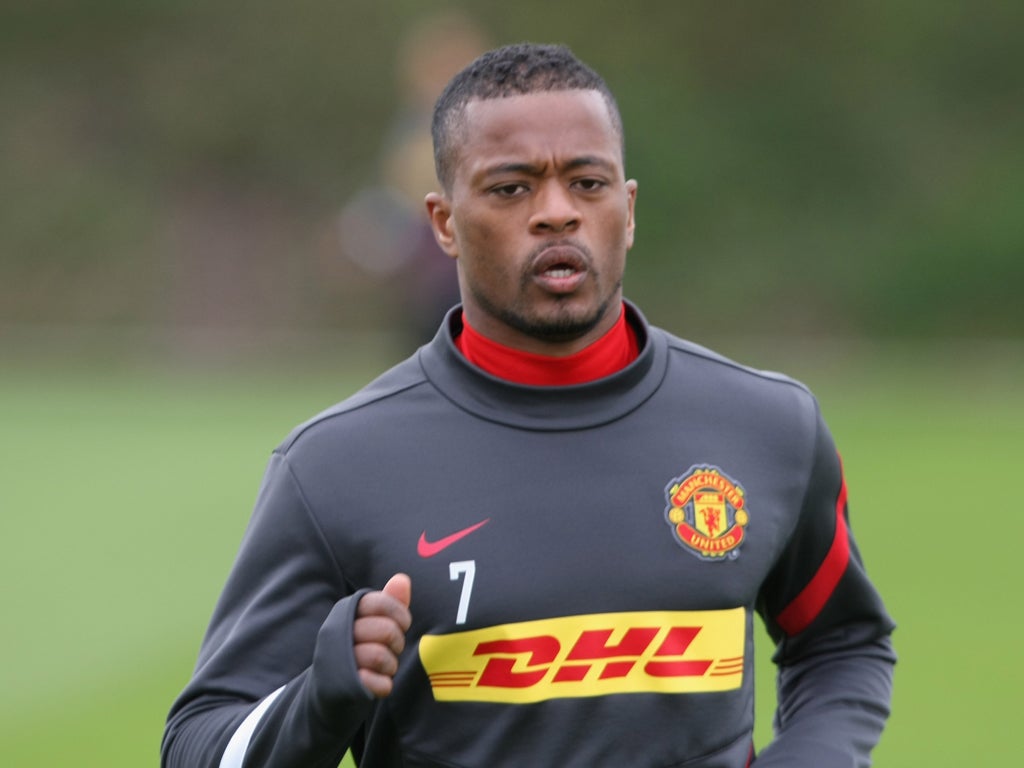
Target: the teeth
pixel 562 272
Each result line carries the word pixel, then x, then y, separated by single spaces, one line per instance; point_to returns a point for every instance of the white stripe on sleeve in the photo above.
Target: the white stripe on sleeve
pixel 235 752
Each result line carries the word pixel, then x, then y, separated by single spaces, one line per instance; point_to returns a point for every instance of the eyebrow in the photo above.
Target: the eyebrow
pixel 531 169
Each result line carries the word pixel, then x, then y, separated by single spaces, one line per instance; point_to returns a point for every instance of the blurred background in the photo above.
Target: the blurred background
pixel 212 228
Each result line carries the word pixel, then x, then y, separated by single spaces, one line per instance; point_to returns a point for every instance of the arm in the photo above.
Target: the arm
pixel 293 657
pixel 832 634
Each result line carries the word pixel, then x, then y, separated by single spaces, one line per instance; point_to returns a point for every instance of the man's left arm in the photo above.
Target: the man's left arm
pixel 832 634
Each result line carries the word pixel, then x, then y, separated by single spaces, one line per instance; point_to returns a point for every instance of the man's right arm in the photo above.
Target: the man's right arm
pixel 288 672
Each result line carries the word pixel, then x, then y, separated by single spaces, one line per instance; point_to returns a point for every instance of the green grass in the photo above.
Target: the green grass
pixel 123 494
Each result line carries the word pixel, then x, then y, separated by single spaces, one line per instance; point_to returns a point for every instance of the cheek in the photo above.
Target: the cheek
pixel 619 232
pixel 483 243
pixel 469 232
pixel 486 234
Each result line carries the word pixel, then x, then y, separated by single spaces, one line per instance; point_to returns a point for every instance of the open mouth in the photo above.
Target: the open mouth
pixel 560 268
pixel 560 261
pixel 557 272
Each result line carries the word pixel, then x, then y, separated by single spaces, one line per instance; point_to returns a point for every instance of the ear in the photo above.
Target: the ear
pixel 631 187
pixel 439 210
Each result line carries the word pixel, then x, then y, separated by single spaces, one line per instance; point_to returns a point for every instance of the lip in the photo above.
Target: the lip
pixel 560 268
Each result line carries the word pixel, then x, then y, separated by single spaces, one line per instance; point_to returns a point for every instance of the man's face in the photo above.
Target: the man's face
pixel 539 217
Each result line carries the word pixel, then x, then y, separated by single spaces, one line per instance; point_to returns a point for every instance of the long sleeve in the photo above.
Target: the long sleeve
pixel 832 708
pixel 834 651
pixel 276 681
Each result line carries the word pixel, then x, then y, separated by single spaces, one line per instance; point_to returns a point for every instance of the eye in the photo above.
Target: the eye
pixel 511 189
pixel 589 184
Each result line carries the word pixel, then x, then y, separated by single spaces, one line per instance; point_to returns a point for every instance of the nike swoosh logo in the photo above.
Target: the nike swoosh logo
pixel 430 548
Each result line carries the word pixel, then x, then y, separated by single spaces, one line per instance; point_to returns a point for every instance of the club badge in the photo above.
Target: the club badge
pixel 708 514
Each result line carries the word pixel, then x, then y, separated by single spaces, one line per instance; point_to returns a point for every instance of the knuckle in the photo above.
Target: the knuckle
pixel 379 629
pixel 376 658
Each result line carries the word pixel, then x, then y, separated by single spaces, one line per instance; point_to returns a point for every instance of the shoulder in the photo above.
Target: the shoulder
pixel 388 393
pixel 700 364
pixel 721 366
pixel 725 385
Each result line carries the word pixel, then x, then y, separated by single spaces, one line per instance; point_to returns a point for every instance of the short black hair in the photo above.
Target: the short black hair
pixel 512 70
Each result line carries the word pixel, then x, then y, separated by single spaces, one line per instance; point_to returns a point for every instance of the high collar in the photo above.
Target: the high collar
pixel 616 349
pixel 575 406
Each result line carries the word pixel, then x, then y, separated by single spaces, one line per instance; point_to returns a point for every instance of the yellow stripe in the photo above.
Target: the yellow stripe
pixel 592 655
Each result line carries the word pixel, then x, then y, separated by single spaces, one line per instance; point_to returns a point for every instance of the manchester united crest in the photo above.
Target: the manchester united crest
pixel 707 511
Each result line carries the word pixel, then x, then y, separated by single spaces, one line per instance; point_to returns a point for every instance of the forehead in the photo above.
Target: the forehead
pixel 538 125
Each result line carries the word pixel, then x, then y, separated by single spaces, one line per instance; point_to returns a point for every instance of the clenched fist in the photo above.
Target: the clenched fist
pixel 382 619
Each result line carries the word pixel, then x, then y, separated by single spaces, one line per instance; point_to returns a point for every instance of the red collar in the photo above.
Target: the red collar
pixel 610 353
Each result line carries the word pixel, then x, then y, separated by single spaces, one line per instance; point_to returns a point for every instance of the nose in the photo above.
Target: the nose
pixel 555 210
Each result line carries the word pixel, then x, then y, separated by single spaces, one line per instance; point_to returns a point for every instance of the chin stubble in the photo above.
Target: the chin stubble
pixel 564 326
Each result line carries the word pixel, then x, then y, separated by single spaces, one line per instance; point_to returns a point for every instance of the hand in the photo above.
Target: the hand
pixel 378 635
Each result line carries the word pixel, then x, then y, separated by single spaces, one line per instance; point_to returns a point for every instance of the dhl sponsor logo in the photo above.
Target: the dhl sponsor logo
pixel 592 655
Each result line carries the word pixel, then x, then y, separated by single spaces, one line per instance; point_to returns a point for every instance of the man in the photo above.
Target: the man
pixel 542 540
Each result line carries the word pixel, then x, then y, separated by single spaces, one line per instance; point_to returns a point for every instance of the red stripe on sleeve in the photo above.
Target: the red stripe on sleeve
pixel 796 616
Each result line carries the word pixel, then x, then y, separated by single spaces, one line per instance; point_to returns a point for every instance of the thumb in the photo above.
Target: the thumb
pixel 399 587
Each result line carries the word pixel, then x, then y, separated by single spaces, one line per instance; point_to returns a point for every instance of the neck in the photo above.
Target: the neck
pixel 612 352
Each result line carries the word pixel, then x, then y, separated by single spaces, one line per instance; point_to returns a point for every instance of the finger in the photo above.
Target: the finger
pixel 384 605
pixel 399 587
pixel 381 630
pixel 376 658
pixel 378 685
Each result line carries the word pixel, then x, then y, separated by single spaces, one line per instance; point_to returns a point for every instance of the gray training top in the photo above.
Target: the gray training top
pixel 586 564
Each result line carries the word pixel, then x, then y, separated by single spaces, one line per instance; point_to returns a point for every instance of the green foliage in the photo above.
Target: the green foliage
pixel 125 492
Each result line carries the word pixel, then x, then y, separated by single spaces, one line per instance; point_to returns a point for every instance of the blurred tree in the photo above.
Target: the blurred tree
pixel 803 168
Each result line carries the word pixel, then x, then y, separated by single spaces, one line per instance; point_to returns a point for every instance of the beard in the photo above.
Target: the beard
pixel 562 323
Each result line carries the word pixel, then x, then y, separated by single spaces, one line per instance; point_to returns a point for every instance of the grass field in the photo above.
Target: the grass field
pixel 124 491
